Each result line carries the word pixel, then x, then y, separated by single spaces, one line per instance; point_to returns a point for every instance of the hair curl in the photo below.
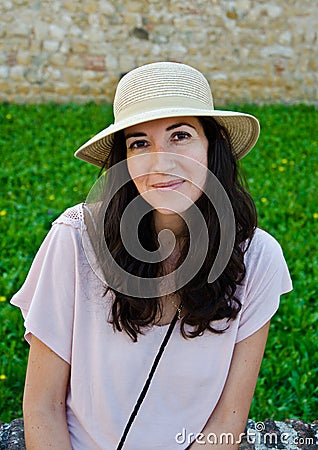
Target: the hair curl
pixel 202 302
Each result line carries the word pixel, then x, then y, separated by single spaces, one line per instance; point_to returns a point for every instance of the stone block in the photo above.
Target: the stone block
pixel 23 58
pixel 51 46
pixel 90 7
pixel 7 5
pixel 19 28
pixel 133 20
pixel 23 89
pixel 62 88
pixel 72 76
pixel 79 46
pixel 4 72
pixel 57 33
pixel 99 48
pixel 272 10
pixel 17 73
pixel 93 20
pixel 277 50
pixel 71 6
pixel 126 63
pixel 135 6
pixel 6 89
pixel 94 34
pixel 75 62
pixel 51 73
pixel 89 75
pixel 111 62
pixel 40 29
pixel 285 38
pixel 94 62
pixel 34 75
pixel 57 60
pixel 75 31
pixel 35 47
pixel 11 59
pixel 65 47
pixel 107 8
pixel 3 58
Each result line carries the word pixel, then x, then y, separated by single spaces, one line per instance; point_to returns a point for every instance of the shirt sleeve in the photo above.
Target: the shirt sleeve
pixel 46 298
pixel 267 278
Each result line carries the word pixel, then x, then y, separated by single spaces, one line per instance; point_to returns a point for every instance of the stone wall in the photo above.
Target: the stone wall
pixel 75 50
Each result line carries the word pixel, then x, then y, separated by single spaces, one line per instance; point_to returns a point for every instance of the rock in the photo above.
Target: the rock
pixel 51 46
pixel 57 33
pixel 19 28
pixel 17 73
pixel 12 435
pixel 270 434
pixel 278 50
pixel 4 72
pixel 287 435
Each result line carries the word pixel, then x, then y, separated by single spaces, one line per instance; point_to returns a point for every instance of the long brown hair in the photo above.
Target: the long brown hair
pixel 203 302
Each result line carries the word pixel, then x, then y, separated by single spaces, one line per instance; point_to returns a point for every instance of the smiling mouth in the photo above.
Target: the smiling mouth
pixel 171 185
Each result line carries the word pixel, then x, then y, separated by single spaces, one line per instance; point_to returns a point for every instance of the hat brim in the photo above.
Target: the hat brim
pixel 242 128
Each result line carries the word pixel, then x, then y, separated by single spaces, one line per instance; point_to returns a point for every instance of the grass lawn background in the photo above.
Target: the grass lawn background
pixel 40 178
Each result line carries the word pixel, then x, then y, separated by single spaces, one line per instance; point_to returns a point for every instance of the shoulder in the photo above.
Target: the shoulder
pixel 264 257
pixel 72 216
pixel 263 245
pixel 265 262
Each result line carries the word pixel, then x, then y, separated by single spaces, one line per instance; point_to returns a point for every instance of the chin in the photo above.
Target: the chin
pixel 172 207
pixel 176 209
pixel 166 212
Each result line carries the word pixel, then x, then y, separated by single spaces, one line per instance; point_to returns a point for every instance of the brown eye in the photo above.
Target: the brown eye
pixel 181 136
pixel 138 144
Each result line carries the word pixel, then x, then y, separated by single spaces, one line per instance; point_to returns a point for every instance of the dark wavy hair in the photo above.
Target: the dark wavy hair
pixel 202 302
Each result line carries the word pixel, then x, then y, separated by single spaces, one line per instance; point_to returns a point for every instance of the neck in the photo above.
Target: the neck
pixel 172 222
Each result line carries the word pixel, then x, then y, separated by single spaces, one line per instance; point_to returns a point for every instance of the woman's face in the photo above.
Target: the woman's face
pixel 167 160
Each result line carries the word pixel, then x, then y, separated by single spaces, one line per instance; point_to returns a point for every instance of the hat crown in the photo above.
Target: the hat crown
pixel 159 83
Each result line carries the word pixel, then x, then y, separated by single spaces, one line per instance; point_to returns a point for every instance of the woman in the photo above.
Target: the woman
pixel 113 280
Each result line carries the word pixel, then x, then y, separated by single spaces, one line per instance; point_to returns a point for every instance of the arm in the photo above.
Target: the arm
pixel 44 399
pixel 231 413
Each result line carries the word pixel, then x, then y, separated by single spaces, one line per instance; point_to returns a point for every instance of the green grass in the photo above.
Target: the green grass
pixel 40 178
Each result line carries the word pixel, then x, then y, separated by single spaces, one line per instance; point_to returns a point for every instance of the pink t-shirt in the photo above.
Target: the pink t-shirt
pixel 63 303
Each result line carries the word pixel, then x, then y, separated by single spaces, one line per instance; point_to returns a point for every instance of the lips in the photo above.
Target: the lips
pixel 170 185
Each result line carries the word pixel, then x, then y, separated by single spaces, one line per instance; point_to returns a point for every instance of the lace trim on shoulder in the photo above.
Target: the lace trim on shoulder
pixel 72 216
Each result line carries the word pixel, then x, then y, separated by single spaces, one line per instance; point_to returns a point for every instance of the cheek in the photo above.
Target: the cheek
pixel 202 155
pixel 197 169
pixel 134 172
pixel 199 152
pixel 140 184
pixel 138 166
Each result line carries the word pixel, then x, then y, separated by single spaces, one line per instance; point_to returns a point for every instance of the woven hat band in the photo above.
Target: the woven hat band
pixel 161 104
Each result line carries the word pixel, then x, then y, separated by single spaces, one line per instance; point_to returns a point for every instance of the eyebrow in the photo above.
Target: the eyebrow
pixel 171 127
pixel 137 134
pixel 177 125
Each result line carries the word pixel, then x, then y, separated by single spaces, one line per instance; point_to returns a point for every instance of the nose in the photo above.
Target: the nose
pixel 162 161
pixel 161 158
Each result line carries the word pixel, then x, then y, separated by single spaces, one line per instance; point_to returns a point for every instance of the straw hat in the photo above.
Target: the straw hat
pixel 161 90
